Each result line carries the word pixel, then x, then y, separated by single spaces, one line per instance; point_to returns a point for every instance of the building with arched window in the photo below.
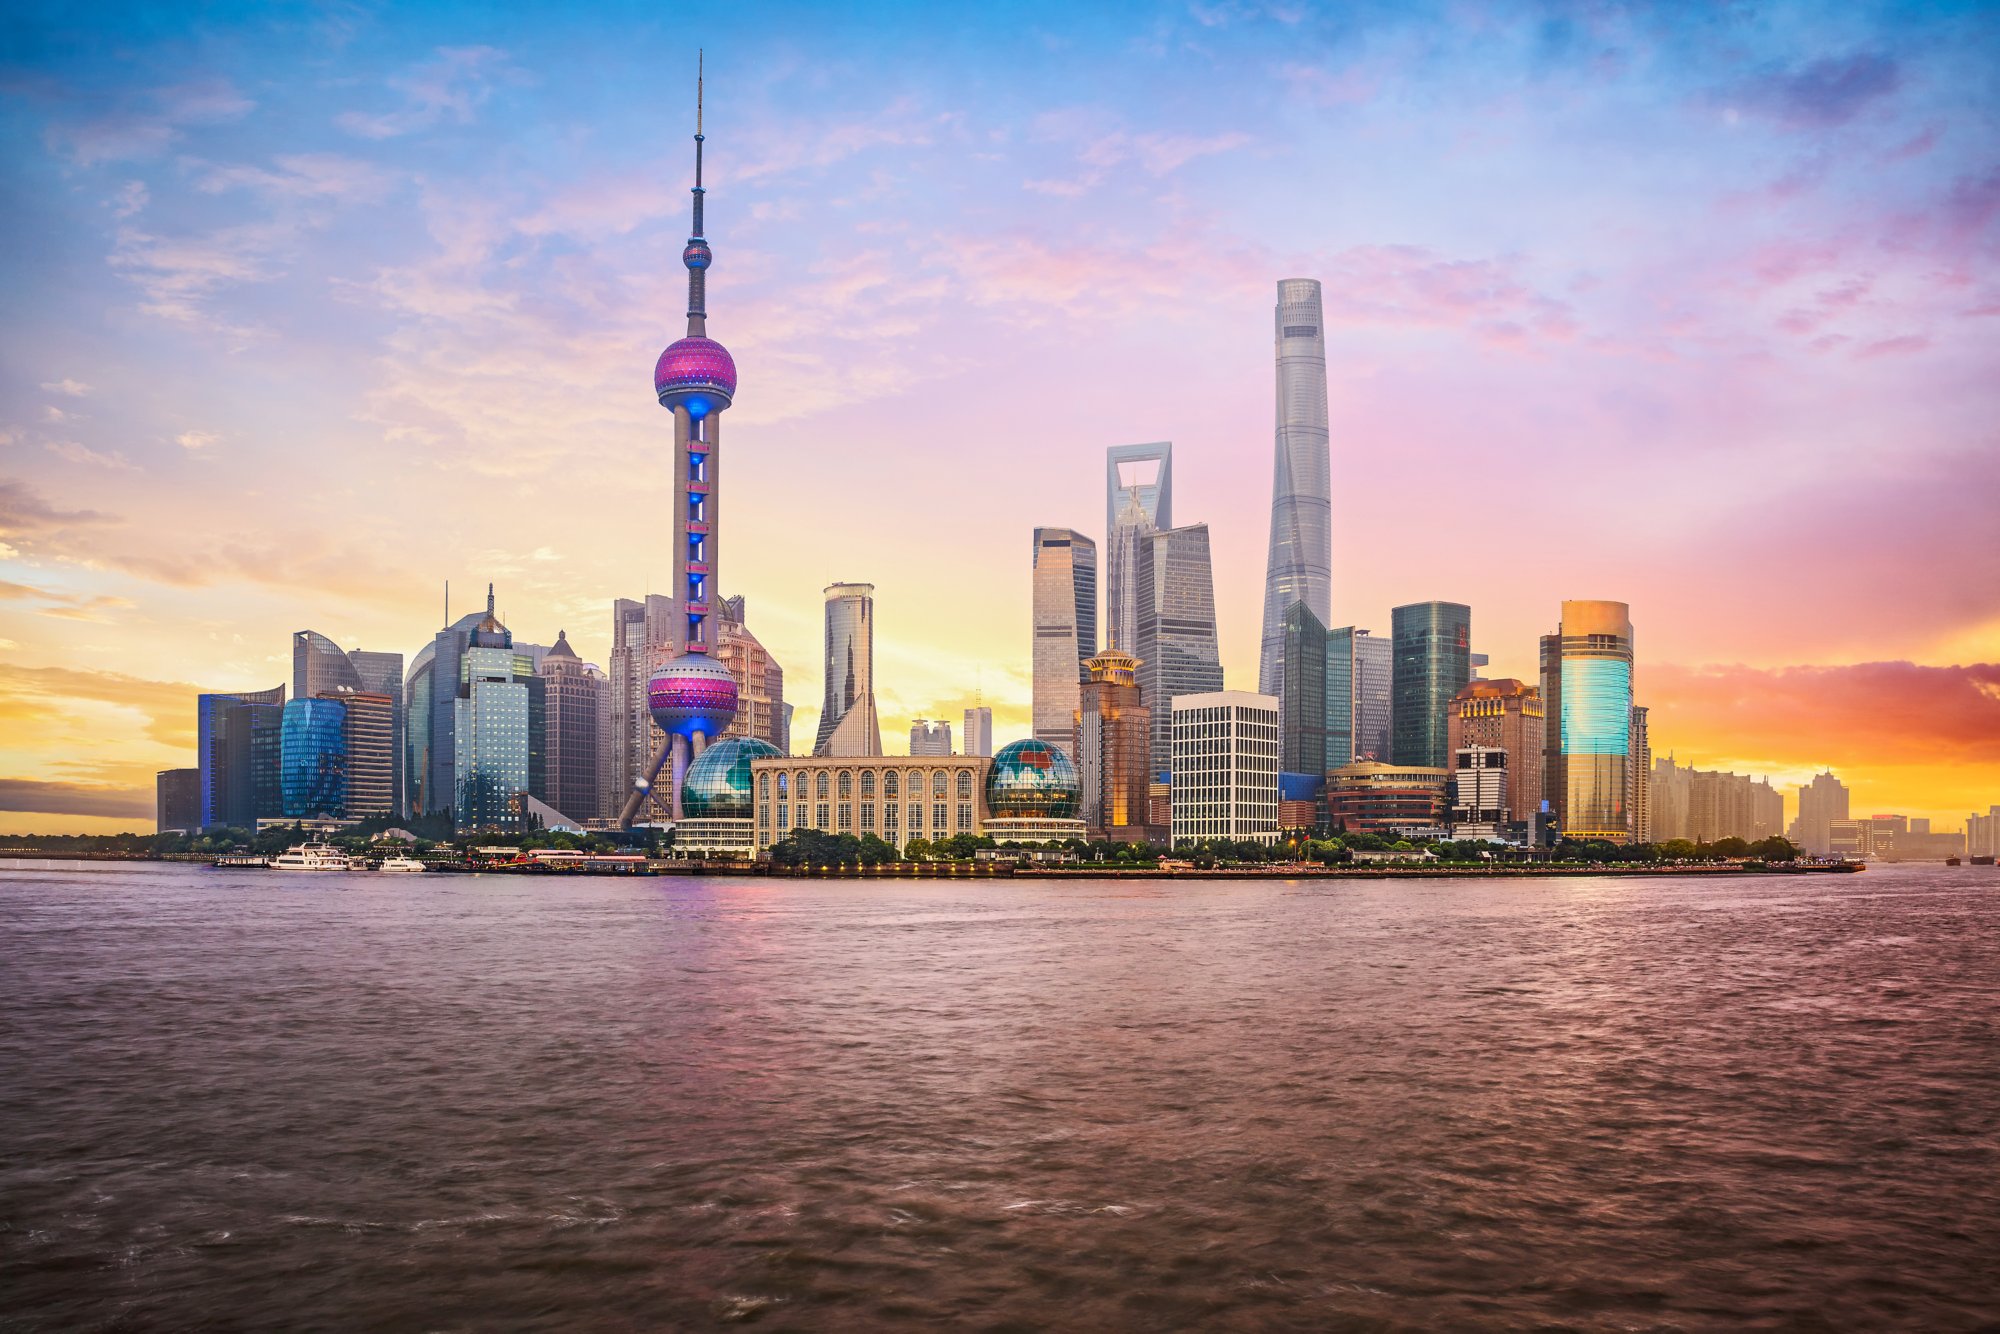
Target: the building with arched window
pixel 894 797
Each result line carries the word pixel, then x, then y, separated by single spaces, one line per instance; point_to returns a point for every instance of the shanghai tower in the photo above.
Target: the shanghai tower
pixel 1300 568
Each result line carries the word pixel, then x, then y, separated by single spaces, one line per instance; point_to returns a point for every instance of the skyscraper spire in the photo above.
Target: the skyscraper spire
pixel 697 256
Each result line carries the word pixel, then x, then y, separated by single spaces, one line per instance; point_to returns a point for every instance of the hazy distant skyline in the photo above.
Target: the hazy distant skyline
pixel 312 310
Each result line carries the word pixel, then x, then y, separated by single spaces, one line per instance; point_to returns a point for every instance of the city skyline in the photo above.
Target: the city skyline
pixel 215 219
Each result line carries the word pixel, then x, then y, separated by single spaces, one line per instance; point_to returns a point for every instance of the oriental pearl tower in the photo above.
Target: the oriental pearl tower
pixel 692 697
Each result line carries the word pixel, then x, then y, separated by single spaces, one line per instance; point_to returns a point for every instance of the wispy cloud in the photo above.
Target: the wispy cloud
pixel 150 122
pixel 449 87
pixel 72 388
pixel 1820 95
pixel 79 453
pixel 197 440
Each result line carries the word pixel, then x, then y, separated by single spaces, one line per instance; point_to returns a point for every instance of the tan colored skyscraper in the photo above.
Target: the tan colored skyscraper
pixel 1113 745
pixel 760 681
pixel 572 743
pixel 1507 716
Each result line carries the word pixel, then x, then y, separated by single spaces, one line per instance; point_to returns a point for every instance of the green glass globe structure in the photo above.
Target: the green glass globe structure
pixel 717 784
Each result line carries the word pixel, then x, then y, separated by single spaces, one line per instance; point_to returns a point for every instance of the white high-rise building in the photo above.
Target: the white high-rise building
pixel 847 722
pixel 1225 766
pixel 1065 630
pixel 1300 564
pixel 978 734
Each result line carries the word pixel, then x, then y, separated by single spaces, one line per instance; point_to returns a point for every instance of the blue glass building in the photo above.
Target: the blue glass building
pixel 312 759
pixel 237 747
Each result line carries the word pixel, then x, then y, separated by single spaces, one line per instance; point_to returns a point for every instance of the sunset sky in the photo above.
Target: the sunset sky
pixel 311 309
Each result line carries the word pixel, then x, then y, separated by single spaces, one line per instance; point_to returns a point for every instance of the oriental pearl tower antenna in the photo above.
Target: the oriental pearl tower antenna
pixel 692 696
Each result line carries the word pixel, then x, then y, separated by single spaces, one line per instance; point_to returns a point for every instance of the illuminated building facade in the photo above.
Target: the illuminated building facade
pixel 1065 627
pixel 1340 700
pixel 848 726
pixel 1594 718
pixel 1033 794
pixel 1299 567
pixel 1225 767
pixel 1113 749
pixel 1432 662
pixel 368 729
pixel 894 797
pixel 1481 805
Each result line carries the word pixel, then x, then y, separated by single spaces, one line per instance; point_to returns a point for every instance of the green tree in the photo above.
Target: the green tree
pixel 1774 849
pixel 1678 850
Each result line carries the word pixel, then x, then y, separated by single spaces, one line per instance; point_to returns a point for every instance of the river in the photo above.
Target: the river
pixel 252 1100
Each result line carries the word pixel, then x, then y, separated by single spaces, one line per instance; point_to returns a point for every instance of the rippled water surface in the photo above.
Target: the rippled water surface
pixel 258 1101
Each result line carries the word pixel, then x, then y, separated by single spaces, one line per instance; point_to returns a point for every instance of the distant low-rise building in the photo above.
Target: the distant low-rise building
pixel 1982 833
pixel 929 739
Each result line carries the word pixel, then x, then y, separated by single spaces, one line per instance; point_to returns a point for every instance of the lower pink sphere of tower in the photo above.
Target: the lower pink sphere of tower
pixel 697 372
pixel 693 693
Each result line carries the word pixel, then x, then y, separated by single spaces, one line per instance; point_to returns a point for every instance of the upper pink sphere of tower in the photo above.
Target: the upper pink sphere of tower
pixel 697 372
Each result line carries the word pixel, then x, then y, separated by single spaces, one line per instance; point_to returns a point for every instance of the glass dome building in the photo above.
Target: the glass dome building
pixel 717 785
pixel 1032 794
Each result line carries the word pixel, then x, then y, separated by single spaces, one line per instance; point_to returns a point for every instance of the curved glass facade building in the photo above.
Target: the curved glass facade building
pixel 847 722
pixel 717 785
pixel 312 758
pixel 1300 565
pixel 1595 719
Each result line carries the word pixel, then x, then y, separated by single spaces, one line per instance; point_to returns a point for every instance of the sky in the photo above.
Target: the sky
pixel 315 309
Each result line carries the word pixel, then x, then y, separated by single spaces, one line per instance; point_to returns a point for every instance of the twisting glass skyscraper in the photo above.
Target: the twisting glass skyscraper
pixel 1300 568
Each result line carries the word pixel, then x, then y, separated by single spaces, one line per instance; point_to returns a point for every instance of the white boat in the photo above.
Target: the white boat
pixel 312 857
pixel 401 863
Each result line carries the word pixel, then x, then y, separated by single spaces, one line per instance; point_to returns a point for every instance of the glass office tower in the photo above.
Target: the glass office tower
pixel 1138 499
pixel 1341 677
pixel 1177 649
pixel 236 739
pixel 495 743
pixel 1595 717
pixel 1302 698
pixel 1065 629
pixel 1432 662
pixel 312 759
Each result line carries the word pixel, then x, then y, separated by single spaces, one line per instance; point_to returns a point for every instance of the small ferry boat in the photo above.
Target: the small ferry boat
pixel 399 862
pixel 312 857
pixel 1951 861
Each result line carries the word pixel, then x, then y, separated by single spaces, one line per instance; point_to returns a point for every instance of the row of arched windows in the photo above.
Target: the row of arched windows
pixel 823 784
